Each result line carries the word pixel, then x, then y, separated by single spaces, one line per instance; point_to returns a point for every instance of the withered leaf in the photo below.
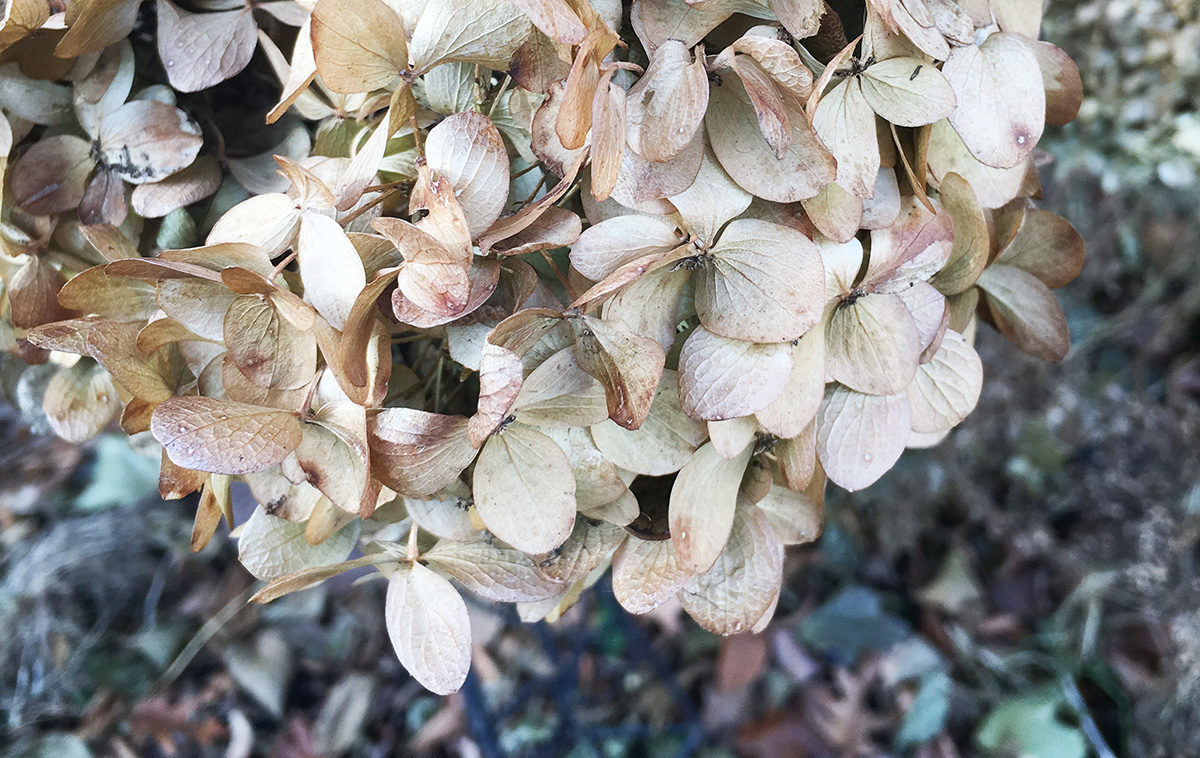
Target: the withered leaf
pixel 627 364
pixel 415 452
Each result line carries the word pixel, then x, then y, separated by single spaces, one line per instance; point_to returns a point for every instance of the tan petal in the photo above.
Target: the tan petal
pixel 969 256
pixel 733 132
pixel 555 19
pixel 80 401
pixel 993 186
pixel 500 376
pixel 559 393
pixel 702 506
pixel 525 490
pixel 222 436
pixel 1046 246
pixel 467 150
pixel 415 452
pixel 628 365
pixel 667 104
pixel 794 518
pixel 267 349
pixel 50 176
pixel 709 203
pixel 1026 312
pixel 196 182
pixel 1064 88
pixel 602 248
pixel 608 136
pixel 797 406
pixel 742 584
pixel 487 32
pixel 358 45
pixel 272 547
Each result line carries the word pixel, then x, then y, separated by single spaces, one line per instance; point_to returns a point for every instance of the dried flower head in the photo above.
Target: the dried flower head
pixel 506 293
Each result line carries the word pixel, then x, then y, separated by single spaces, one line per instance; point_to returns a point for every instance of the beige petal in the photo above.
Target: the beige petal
pixel 555 19
pixel 196 182
pixel 272 547
pixel 702 505
pixel 590 545
pixel 330 268
pixel 741 586
pixel 860 437
pixel 664 442
pixel 491 570
pixel 646 573
pixel 445 513
pixel 429 627
pixel 764 283
pixel 199 50
pixel 525 490
pixel 794 518
pixel 487 32
pixel 267 349
pixel 993 186
pixel 797 406
pixel 500 375
pixel 711 202
pixel 946 388
pixel 467 150
pixel 908 91
pixel 559 393
pixel 608 136
pixel 1001 100
pixel 146 141
pixel 602 248
pixel 873 344
pixel 722 378
pixel 846 124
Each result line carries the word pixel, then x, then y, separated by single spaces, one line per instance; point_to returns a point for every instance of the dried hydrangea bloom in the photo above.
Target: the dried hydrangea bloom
pixel 505 300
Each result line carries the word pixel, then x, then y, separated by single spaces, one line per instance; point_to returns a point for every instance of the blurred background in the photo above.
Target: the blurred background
pixel 1028 588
